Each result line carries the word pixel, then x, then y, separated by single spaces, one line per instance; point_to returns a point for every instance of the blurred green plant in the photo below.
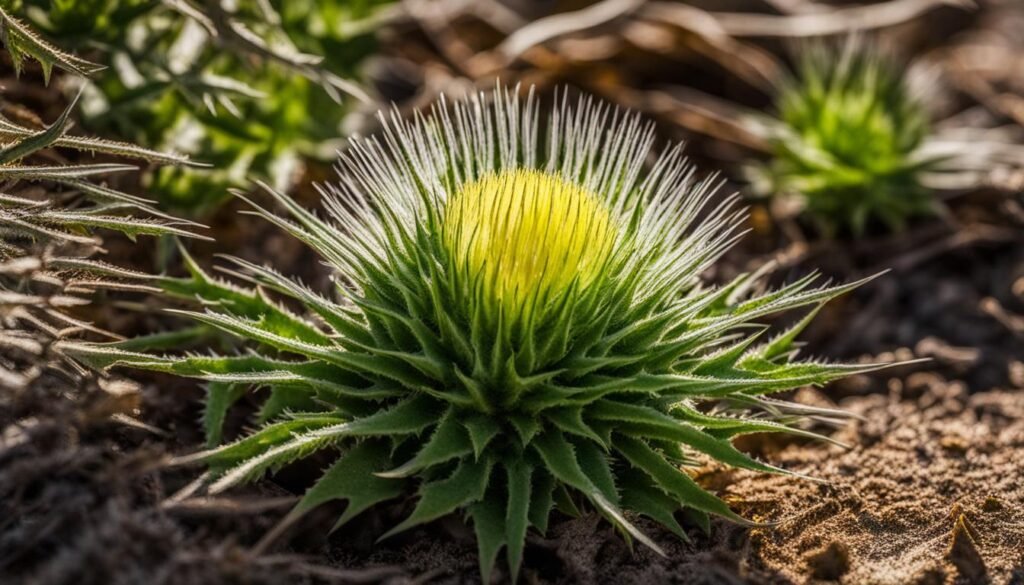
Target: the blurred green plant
pixel 519 324
pixel 847 142
pixel 238 85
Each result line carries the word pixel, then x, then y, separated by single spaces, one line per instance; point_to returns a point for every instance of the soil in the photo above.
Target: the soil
pixel 931 492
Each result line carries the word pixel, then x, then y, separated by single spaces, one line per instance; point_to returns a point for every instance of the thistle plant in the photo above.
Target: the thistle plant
pixel 517 325
pixel 847 144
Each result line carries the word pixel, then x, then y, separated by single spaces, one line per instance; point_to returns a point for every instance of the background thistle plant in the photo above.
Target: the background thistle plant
pixel 518 325
pixel 847 142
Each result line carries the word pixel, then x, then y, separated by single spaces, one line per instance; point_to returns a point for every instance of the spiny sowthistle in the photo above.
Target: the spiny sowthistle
pixel 847 141
pixel 519 326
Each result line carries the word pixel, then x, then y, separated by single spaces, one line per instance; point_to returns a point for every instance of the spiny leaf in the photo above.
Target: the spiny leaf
pixel 20 40
pixel 353 477
pixel 520 498
pixel 219 398
pixel 638 495
pixel 481 431
pixel 465 486
pixel 448 441
pixel 38 140
pixel 408 417
pixel 595 465
pixel 541 499
pixel 11 132
pixel 647 422
pixel 560 459
pixel 570 420
pixel 671 480
pixel 57 173
pixel 525 426
pixel 130 226
pixel 489 526
pixel 259 442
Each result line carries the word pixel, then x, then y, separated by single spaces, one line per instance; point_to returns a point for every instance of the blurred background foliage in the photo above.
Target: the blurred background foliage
pixel 252 88
pixel 269 89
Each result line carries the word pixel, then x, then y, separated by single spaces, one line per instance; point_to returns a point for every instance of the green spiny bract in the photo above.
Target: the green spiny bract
pixel 847 141
pixel 502 389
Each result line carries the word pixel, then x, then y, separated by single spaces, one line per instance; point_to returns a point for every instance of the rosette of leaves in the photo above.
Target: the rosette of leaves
pixel 234 84
pixel 517 325
pixel 847 142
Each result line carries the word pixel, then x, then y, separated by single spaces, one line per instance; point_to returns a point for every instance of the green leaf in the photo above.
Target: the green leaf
pixel 219 398
pixel 489 524
pixel 353 477
pixel 249 369
pixel 641 497
pixel 465 486
pixel 448 441
pixel 673 481
pixel 37 140
pixel 570 420
pixel 648 422
pixel 481 430
pixel 526 426
pixel 239 302
pixel 595 465
pixel 560 460
pixel 21 40
pixel 564 502
pixel 408 417
pixel 176 338
pixel 782 344
pixel 361 363
pixel 130 226
pixel 517 513
pixel 335 315
pixel 259 442
pixel 285 398
pixel 731 426
pixel 541 499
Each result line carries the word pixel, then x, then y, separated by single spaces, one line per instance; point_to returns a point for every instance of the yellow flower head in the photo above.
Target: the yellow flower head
pixel 526 234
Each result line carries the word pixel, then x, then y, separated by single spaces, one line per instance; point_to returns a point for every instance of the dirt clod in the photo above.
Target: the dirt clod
pixel 831 562
pixel 963 551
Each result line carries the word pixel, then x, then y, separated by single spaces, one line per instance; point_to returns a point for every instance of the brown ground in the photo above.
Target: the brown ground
pixel 932 492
